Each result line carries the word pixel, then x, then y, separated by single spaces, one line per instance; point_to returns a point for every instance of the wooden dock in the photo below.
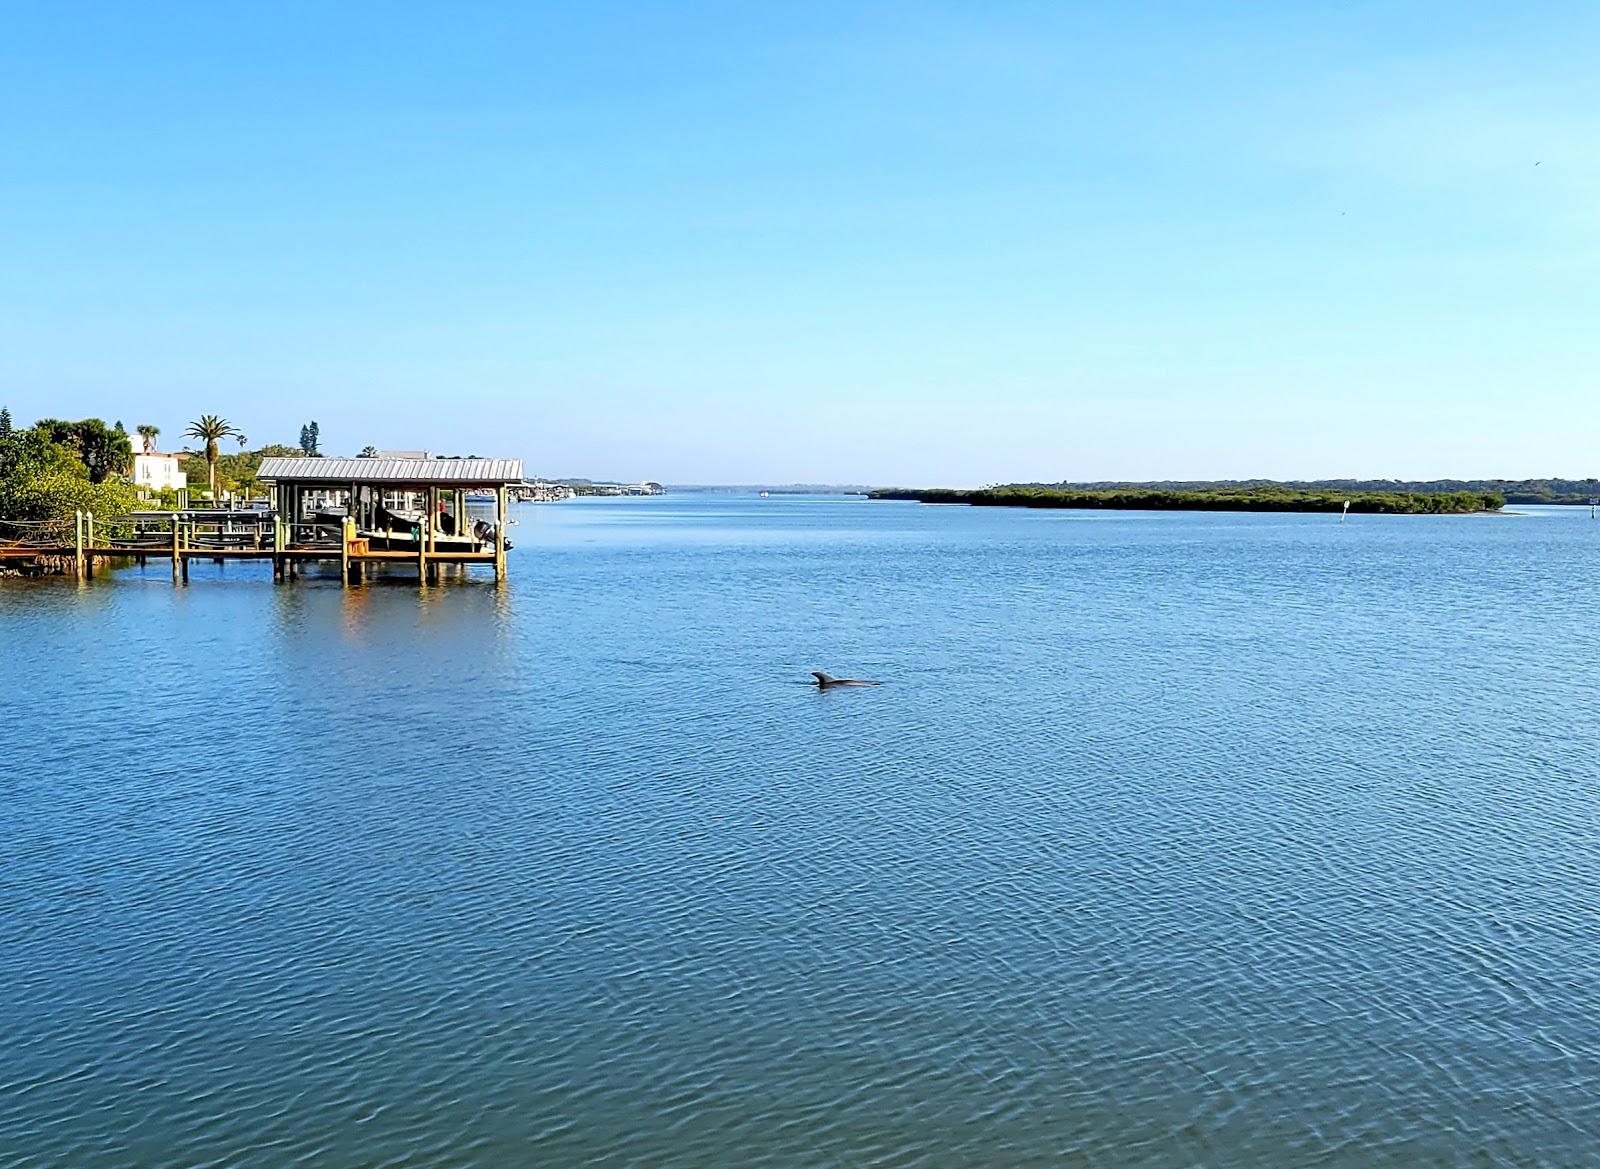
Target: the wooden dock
pixel 300 529
pixel 84 545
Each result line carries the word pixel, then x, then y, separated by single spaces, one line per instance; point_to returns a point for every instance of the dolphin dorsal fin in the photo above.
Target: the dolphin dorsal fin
pixel 822 679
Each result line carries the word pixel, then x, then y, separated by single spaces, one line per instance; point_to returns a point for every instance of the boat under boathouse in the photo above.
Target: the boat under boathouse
pixel 405 510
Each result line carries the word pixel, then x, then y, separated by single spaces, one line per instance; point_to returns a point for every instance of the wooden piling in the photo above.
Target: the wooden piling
pixel 177 551
pixel 502 510
pixel 77 544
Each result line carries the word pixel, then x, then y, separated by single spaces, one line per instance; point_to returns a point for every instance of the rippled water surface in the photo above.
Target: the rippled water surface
pixel 1169 840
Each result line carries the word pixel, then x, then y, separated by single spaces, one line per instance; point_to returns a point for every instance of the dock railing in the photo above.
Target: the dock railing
pixel 30 535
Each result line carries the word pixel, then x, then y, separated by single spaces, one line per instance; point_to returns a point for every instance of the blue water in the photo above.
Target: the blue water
pixel 1169 840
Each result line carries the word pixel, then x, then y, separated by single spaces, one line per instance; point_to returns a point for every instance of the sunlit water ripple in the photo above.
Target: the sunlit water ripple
pixel 1170 840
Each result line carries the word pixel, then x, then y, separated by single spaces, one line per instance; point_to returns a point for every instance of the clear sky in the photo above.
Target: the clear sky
pixel 913 243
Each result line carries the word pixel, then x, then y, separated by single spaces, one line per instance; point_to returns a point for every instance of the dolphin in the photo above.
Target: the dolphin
pixel 824 681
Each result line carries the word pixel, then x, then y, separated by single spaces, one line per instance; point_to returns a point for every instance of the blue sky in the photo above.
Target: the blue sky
pixel 925 243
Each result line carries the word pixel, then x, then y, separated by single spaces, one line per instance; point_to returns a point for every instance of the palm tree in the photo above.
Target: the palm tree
pixel 210 428
pixel 149 433
pixel 239 434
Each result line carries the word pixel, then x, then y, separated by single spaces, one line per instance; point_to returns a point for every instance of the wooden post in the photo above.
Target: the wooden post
pixel 433 520
pixel 344 549
pixel 176 555
pixel 422 543
pixel 183 560
pixel 77 544
pixel 435 529
pixel 500 514
pixel 88 544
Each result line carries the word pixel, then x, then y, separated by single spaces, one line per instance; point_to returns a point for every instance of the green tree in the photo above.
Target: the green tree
pixel 149 433
pixel 104 451
pixel 369 452
pixel 309 438
pixel 41 478
pixel 211 428
pixel 6 429
pixel 236 472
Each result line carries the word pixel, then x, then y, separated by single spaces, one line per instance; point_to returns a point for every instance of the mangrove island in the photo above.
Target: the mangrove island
pixel 1263 497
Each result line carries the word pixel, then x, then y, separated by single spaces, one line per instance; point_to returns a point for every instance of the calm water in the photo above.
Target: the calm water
pixel 1170 840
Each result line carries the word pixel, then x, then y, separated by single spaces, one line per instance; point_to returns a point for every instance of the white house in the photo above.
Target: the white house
pixel 153 471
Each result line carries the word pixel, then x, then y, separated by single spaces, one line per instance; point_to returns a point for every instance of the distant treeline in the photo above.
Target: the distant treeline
pixel 1512 490
pixel 1274 497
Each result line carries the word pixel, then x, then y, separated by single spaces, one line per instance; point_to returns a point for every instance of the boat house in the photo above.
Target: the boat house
pixel 394 509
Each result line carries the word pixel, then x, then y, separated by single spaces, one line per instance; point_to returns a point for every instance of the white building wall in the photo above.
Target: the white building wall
pixel 158 472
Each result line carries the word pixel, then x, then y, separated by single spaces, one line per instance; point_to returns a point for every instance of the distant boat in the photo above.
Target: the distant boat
pixel 766 495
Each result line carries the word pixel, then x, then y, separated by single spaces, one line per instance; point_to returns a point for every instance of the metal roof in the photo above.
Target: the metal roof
pixel 455 472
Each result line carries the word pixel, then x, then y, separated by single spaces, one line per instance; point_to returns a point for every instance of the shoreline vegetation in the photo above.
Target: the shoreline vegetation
pixel 1261 497
pixel 1515 491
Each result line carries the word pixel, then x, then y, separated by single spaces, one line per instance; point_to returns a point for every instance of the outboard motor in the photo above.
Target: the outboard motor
pixel 485 532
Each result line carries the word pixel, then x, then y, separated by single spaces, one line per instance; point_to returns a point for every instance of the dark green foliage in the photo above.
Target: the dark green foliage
pixel 105 451
pixel 1271 497
pixel 43 478
pixel 6 429
pixel 1514 490
pixel 309 437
